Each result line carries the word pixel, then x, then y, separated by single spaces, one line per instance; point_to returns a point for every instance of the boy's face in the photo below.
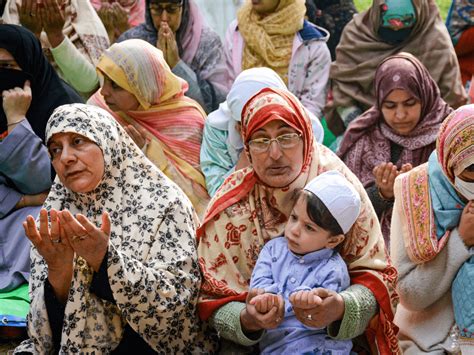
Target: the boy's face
pixel 303 235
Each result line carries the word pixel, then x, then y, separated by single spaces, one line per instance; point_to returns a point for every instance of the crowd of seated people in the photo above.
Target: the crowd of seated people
pixel 167 184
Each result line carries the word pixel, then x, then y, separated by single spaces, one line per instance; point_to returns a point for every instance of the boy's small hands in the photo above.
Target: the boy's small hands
pixel 305 299
pixel 265 302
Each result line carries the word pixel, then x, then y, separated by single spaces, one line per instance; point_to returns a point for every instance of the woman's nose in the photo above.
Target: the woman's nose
pixel 275 150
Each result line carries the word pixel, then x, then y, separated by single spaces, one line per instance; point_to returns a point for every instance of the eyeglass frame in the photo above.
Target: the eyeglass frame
pixel 155 9
pixel 271 140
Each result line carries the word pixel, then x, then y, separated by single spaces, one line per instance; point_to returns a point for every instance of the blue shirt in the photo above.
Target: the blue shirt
pixel 280 271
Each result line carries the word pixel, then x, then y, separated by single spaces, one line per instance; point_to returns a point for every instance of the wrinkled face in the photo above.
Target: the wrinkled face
pixel 78 161
pixel 277 167
pixel 166 12
pixel 264 7
pixel 401 111
pixel 303 235
pixel 7 61
pixel 117 98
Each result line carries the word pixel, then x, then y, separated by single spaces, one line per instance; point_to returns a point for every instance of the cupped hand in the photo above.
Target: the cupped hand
pixel 466 224
pixel 53 19
pixel 138 134
pixel 50 242
pixel 317 308
pixel 385 174
pixel 16 102
pixel 87 240
pixel 29 16
pixel 252 320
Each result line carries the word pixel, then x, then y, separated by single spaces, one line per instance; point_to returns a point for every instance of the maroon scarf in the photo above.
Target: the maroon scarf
pixel 366 142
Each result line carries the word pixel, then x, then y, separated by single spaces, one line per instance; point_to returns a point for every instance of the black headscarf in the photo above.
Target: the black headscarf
pixel 48 90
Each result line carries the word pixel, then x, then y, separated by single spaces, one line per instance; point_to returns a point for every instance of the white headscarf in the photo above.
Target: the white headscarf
pixel 247 84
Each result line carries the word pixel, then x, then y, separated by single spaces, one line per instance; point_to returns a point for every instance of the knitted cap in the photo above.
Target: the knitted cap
pixel 339 197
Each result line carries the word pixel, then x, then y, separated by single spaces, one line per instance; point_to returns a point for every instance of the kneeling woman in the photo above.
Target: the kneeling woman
pixel 116 271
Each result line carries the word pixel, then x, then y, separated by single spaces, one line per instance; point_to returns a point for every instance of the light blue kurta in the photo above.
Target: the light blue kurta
pixel 25 169
pixel 280 271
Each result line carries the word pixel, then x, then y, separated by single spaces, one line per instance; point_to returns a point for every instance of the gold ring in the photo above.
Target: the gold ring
pixel 56 240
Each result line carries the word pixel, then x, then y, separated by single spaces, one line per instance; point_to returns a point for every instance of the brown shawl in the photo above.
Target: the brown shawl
pixel 360 52
pixel 366 142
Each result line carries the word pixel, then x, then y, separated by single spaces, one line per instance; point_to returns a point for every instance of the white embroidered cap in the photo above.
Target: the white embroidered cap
pixel 339 197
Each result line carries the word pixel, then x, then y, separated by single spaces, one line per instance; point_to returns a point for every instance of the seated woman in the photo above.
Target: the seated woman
pixel 460 24
pixel 274 34
pixel 397 133
pixel 192 50
pixel 31 89
pixel 222 144
pixel 333 15
pixel 119 15
pixel 432 237
pixel 72 36
pixel 116 269
pixel 387 28
pixel 143 95
pixel 253 207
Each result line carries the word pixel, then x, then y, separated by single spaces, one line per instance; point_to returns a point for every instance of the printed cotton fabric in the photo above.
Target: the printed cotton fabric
pixel 152 264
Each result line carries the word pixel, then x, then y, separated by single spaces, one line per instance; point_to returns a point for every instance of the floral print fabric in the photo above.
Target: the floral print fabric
pixel 152 264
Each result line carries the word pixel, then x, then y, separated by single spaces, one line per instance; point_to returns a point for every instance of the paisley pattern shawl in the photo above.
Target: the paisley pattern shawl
pixel 175 122
pixel 244 214
pixel 152 263
pixel 426 197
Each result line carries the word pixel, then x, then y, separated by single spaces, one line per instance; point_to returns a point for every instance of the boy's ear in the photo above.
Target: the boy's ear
pixel 334 241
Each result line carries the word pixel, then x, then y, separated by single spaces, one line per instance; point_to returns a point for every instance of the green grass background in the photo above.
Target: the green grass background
pixel 442 4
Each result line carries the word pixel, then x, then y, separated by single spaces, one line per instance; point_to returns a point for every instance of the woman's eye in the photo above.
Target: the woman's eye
pixel 114 85
pixel 389 106
pixel 78 141
pixel 54 151
pixel 411 102
pixel 292 217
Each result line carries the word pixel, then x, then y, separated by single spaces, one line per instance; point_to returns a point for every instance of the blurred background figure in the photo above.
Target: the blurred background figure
pixel 192 50
pixel 333 15
pixel 119 15
pixel 71 33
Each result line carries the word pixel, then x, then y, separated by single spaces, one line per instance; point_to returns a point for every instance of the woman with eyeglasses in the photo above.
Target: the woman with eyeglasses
pixel 397 133
pixel 432 241
pixel 192 50
pixel 253 206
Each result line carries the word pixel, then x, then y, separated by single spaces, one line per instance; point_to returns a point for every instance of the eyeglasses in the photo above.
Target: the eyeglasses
pixel 156 9
pixel 285 141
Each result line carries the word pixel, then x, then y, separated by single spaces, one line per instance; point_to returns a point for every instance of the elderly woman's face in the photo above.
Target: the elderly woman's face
pixel 265 7
pixel 78 161
pixel 166 12
pixel 117 98
pixel 277 166
pixel 401 111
